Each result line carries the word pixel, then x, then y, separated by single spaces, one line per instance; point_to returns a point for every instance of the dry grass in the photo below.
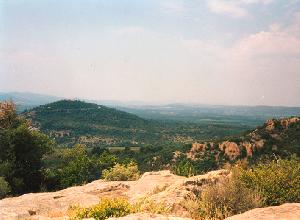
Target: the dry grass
pixel 159 188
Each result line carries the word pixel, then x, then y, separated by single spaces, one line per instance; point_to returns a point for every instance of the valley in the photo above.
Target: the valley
pixel 70 122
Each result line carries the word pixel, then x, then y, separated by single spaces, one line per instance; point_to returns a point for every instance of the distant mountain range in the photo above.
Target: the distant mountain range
pixel 27 100
pixel 204 114
pixel 214 114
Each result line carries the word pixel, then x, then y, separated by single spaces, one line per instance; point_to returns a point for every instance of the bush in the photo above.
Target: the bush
pixel 150 206
pixel 277 181
pixel 105 209
pixel 184 167
pixel 117 207
pixel 228 197
pixel 4 188
pixel 122 172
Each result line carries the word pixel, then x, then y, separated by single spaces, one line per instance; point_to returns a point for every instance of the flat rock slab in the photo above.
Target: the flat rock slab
pixel 147 216
pixel 288 211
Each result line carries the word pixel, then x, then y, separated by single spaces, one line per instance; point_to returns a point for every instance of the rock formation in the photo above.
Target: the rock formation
pixel 54 205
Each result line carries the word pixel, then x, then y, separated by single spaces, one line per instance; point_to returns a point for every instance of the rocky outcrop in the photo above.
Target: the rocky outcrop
pixel 289 211
pixel 284 123
pixel 196 149
pixel 270 125
pixel 54 205
pixel 274 131
pixel 231 149
pixel 175 194
pixel 249 148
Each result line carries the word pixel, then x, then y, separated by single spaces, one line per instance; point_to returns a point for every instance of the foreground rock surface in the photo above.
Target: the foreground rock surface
pixel 289 211
pixel 54 205
pixel 146 216
pixel 159 186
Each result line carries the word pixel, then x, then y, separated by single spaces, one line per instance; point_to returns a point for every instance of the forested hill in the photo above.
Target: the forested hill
pixel 70 121
pixel 61 112
pixel 73 121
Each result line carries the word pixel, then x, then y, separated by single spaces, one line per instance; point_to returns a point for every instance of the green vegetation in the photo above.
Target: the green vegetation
pixel 74 166
pixel 119 172
pixel 105 209
pixel 117 207
pixel 22 150
pixel 184 166
pixel 278 181
pixel 4 188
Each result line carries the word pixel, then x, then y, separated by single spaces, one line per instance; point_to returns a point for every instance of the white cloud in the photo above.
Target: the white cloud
pixel 233 8
pixel 279 41
pixel 256 1
pixel 276 41
pixel 176 7
pixel 230 8
pixel 269 43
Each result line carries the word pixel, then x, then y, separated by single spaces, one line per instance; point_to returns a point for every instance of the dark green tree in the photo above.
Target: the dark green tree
pixel 22 149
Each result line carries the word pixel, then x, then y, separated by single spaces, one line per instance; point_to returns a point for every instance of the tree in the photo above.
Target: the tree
pixel 77 170
pixel 4 188
pixel 22 150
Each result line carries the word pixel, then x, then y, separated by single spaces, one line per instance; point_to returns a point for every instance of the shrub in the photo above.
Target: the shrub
pixel 117 207
pixel 4 188
pixel 184 167
pixel 227 197
pixel 122 172
pixel 105 209
pixel 277 181
pixel 150 206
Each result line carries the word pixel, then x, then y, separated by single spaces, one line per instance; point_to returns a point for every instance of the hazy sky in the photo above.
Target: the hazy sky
pixel 201 51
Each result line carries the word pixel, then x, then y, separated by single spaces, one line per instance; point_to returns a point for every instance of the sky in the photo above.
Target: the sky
pixel 232 52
